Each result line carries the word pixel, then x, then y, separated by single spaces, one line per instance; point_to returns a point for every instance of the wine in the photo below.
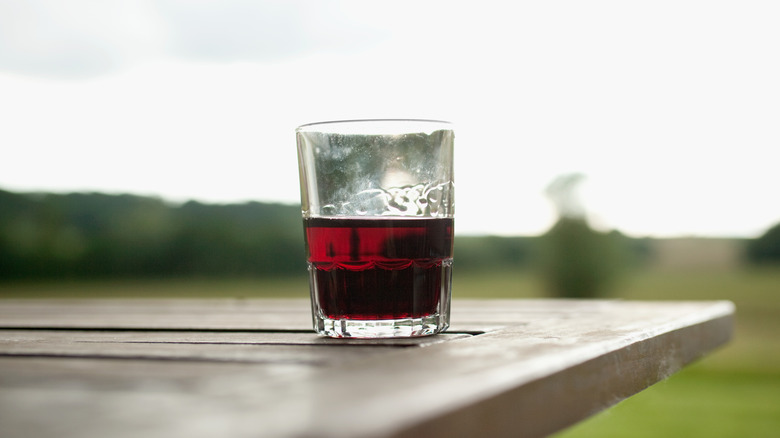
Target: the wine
pixel 379 268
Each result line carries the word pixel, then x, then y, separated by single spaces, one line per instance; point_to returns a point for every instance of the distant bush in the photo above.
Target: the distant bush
pixel 575 260
pixel 579 262
pixel 765 249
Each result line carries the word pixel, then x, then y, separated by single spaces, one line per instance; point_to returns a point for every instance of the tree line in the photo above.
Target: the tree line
pixel 94 235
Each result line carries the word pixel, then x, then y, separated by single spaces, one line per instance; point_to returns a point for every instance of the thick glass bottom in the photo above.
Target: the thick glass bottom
pixel 382 328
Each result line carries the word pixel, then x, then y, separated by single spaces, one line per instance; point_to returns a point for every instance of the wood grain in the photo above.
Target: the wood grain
pixel 252 367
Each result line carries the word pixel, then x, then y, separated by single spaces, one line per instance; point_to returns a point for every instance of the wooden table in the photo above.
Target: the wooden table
pixel 253 368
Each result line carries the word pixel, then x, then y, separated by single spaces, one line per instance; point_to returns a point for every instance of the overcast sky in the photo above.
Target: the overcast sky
pixel 670 108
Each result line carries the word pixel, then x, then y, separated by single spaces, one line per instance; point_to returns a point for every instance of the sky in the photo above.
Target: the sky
pixel 671 109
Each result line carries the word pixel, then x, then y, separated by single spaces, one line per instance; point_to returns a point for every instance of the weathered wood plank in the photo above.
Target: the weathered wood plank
pixel 539 366
pixel 258 347
pixel 270 314
pixel 158 314
pixel 519 377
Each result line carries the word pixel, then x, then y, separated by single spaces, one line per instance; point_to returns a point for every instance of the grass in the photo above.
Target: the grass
pixel 697 402
pixel 734 392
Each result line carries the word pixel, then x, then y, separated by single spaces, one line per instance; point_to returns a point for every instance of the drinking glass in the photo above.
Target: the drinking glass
pixel 377 199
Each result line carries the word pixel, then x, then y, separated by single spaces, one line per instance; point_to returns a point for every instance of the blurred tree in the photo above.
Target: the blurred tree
pixel 765 249
pixel 577 261
pixel 563 193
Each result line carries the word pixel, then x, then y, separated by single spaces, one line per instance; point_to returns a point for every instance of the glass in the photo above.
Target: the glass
pixel 377 198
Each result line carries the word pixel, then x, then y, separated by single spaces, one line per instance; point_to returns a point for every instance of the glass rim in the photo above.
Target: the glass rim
pixel 381 126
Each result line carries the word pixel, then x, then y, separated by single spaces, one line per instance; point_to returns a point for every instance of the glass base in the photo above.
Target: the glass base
pixel 381 328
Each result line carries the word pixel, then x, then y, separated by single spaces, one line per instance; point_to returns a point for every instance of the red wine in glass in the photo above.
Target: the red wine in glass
pixel 385 268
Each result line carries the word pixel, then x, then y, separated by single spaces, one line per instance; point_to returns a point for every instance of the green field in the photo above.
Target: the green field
pixel 734 392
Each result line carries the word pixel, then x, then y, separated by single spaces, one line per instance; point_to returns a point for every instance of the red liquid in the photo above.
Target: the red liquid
pixel 370 269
